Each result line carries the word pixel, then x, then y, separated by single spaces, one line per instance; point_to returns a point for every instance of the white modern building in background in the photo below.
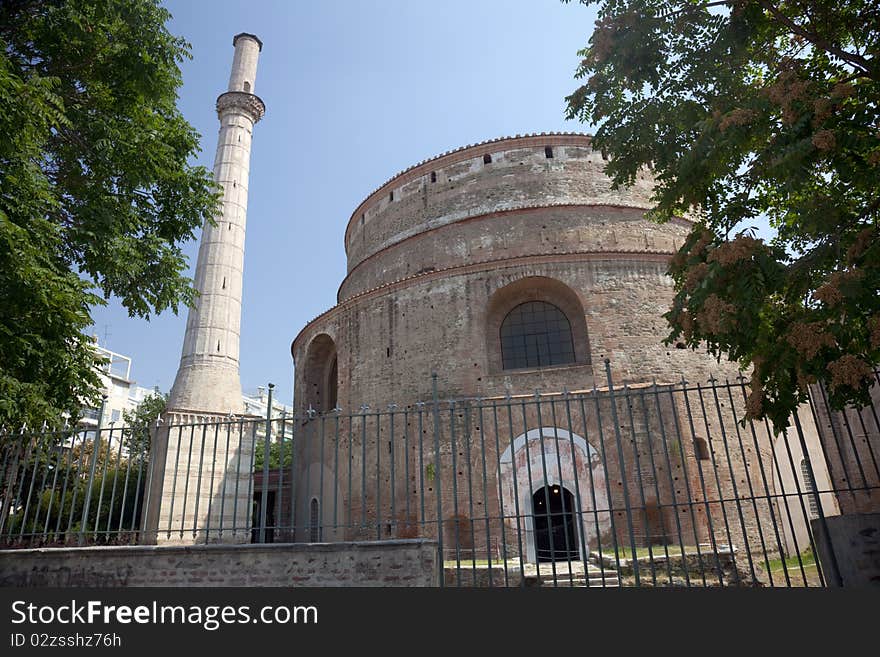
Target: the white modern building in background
pixel 257 403
pixel 123 393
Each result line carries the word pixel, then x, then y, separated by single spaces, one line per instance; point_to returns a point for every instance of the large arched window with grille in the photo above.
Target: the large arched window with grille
pixel 536 334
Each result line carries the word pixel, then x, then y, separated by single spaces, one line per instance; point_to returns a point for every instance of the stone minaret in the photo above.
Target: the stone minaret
pixel 206 498
pixel 207 380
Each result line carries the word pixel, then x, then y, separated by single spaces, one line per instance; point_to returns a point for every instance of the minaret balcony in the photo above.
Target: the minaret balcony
pixel 241 101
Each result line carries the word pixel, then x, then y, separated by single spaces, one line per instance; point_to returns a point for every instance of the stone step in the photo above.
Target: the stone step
pixel 610 580
pixel 613 584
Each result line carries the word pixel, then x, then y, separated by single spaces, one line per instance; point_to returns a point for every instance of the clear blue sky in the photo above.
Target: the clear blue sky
pixel 355 92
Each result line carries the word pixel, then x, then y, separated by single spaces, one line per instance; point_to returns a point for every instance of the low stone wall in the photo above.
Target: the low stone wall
pixel 692 569
pixel 368 563
pixel 483 577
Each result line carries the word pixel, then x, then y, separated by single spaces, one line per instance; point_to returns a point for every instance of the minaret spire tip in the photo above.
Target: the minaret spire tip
pixel 248 34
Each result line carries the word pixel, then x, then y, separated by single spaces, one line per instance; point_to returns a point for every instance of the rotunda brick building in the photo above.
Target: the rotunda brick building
pixel 439 254
pixel 505 268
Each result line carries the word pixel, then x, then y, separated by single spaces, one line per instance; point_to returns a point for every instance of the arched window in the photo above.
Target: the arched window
pixel 314 521
pixel 535 322
pixel 536 334
pixel 702 449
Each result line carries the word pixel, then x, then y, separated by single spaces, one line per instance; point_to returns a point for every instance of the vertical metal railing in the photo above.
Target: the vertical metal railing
pixel 623 484
pixel 267 442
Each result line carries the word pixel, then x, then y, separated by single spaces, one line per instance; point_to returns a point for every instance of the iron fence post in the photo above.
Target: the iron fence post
pixel 626 501
pixel 437 475
pixel 14 449
pixel 337 411
pixel 95 450
pixel 264 494
pixel 228 426
pixel 211 487
pixel 293 422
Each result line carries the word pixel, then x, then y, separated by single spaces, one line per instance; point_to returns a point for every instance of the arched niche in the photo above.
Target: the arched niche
pixel 321 378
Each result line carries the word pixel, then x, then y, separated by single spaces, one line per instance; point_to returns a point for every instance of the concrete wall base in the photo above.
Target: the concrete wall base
pixel 855 539
pixel 369 563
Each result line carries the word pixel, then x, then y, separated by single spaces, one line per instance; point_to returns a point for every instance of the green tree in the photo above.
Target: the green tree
pixel 56 472
pixel 138 422
pixel 749 111
pixel 280 453
pixel 96 193
pixel 115 497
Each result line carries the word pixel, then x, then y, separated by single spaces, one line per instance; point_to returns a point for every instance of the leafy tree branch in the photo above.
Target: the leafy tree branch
pixel 751 113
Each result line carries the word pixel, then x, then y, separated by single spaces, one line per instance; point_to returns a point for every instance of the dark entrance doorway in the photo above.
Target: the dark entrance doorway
pixel 270 517
pixel 555 533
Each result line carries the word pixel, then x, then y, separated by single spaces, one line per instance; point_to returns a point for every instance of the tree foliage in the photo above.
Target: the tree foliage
pixel 137 423
pixel 96 193
pixel 50 494
pixel 750 112
pixel 280 453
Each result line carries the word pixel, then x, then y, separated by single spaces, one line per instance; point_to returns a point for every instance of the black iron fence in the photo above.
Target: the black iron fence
pixel 639 485
pixel 76 486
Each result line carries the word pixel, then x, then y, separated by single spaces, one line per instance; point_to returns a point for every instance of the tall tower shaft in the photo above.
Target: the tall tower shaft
pixel 208 380
pixel 210 503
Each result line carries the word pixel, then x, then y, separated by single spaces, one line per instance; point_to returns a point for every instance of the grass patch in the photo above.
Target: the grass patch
pixel 807 558
pixel 809 577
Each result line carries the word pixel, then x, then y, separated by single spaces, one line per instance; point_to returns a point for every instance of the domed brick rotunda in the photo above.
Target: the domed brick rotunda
pixel 506 267
pixel 440 255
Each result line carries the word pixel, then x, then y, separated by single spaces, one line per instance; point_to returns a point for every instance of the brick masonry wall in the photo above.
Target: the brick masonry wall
pixel 520 175
pixel 388 344
pixel 512 234
pixel 389 563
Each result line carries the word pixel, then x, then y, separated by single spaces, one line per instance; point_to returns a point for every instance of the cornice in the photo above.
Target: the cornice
pixel 240 101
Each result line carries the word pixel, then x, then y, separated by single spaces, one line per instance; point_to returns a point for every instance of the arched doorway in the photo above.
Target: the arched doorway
pixel 555 528
pixel 553 457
